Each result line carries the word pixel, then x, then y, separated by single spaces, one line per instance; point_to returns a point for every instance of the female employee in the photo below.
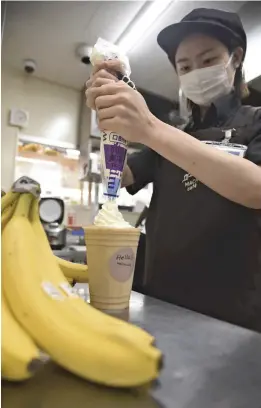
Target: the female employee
pixel 202 227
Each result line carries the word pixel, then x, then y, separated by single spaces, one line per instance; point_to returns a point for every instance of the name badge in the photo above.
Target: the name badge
pixel 226 146
pixel 231 148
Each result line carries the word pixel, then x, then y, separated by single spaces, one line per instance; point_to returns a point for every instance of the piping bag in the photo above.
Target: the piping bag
pixel 113 147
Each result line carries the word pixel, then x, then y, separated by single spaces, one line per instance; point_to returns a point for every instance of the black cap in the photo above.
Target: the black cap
pixel 222 25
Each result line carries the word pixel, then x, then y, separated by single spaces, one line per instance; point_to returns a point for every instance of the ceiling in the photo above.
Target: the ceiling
pixel 49 33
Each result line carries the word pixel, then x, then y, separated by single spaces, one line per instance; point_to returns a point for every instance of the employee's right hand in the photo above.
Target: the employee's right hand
pixel 103 73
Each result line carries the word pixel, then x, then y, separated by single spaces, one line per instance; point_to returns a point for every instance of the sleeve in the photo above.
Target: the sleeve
pixel 253 152
pixel 143 167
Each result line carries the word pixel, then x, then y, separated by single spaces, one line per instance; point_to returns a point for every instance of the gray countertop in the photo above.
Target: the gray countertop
pixel 208 364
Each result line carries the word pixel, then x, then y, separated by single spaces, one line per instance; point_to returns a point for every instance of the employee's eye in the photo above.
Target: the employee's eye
pixel 184 69
pixel 210 60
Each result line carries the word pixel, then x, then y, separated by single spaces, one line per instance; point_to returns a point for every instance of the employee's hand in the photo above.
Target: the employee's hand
pixel 103 73
pixel 122 110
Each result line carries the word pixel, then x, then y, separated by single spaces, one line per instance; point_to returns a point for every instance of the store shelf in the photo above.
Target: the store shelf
pixel 59 159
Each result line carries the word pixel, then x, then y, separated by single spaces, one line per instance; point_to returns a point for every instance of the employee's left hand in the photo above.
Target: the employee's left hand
pixel 123 110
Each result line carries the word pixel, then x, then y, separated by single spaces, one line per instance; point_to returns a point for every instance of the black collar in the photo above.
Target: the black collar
pixel 217 114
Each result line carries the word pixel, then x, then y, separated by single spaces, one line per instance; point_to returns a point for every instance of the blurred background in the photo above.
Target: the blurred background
pixel 47 131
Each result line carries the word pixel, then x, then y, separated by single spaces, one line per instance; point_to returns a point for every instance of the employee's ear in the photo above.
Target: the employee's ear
pixel 237 57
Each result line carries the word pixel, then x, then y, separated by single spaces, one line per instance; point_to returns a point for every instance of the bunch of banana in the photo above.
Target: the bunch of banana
pixel 76 336
pixel 72 271
pixel 20 356
pixel 78 273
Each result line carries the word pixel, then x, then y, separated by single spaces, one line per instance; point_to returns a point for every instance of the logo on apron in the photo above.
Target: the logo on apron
pixel 190 182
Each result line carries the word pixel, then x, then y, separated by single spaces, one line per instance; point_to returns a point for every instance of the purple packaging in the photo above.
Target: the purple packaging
pixel 113 159
pixel 113 147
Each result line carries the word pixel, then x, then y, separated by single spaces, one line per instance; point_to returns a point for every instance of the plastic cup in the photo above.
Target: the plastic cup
pixel 111 255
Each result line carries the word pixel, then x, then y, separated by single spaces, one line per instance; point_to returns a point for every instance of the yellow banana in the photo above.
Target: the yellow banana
pixel 72 271
pixel 20 356
pixel 75 272
pixel 8 213
pixel 55 325
pixel 8 199
pixel 97 318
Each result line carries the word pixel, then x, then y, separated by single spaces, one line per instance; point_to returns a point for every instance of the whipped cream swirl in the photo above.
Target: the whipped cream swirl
pixel 110 216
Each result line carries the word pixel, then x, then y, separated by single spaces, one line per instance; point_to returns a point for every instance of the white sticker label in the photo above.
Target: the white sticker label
pixel 52 291
pixel 231 148
pixel 68 290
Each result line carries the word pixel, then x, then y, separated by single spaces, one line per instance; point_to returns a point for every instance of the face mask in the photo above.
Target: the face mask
pixel 203 86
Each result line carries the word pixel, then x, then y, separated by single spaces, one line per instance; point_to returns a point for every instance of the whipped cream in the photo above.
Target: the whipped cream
pixel 110 216
pixel 104 50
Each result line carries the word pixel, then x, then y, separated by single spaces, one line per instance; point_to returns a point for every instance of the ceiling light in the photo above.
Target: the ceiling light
pixel 141 28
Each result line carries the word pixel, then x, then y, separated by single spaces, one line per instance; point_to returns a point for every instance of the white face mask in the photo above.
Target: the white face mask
pixel 204 85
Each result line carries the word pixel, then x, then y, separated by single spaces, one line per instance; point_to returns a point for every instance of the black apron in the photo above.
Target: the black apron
pixel 210 265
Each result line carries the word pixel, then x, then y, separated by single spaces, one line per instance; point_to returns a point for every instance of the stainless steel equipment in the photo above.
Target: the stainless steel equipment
pixel 51 210
pixel 72 253
pixel 56 235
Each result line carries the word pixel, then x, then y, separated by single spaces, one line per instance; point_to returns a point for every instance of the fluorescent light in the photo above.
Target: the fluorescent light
pixel 140 29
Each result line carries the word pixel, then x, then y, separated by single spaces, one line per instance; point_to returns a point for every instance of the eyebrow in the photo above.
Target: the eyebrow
pixel 199 55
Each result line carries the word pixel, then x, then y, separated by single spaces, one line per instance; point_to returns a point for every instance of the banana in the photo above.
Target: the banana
pixel 20 356
pixel 55 325
pixel 8 199
pixel 98 319
pixel 73 271
pixel 8 213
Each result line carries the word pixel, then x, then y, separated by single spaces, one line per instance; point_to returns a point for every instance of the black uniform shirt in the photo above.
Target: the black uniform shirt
pixel 202 249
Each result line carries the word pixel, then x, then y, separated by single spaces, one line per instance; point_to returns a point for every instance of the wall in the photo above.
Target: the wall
pixel 250 14
pixel 84 128
pixel 3 17
pixel 54 113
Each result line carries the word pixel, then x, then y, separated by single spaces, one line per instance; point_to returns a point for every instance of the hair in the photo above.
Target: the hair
pixel 240 85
